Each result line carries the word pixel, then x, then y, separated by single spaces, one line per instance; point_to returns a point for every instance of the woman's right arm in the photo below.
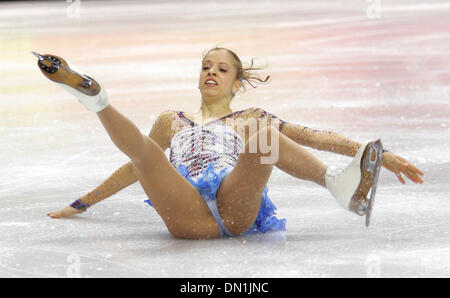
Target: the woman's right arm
pixel 122 177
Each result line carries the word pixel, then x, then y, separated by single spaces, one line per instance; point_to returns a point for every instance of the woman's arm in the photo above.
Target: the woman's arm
pixel 317 139
pixel 321 139
pixel 122 177
pixel 333 142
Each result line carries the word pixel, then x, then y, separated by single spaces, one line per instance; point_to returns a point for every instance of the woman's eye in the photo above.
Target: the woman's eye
pixel 221 69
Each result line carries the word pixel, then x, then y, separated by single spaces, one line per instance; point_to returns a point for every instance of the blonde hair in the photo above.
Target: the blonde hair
pixel 246 74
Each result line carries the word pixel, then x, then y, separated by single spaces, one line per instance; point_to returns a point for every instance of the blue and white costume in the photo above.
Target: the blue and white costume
pixel 205 155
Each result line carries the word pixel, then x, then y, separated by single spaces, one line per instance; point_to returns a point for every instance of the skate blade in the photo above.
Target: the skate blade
pixel 58 70
pixel 359 203
pixel 377 167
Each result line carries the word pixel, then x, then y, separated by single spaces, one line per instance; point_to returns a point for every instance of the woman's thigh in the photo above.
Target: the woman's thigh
pixel 239 195
pixel 179 204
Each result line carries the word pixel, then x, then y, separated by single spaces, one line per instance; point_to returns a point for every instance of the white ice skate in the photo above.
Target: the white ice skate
pixel 88 91
pixel 351 185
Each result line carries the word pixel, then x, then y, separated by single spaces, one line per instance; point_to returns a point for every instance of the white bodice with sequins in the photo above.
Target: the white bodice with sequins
pixel 197 146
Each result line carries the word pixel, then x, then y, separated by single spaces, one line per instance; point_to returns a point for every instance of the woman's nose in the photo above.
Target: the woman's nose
pixel 212 71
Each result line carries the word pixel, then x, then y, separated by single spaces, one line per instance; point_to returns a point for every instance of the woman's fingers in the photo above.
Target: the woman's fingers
pixel 400 166
pixel 399 176
pixel 409 166
pixel 415 170
pixel 411 171
pixel 54 214
pixel 414 175
pixel 66 212
pixel 412 168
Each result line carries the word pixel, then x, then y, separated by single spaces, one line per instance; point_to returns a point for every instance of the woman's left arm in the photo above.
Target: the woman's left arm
pixel 314 138
pixel 333 142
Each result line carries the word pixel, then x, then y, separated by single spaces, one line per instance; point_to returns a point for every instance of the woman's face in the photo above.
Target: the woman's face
pixel 218 76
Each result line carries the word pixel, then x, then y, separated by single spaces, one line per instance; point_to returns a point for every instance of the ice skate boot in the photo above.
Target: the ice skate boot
pixel 351 185
pixel 88 91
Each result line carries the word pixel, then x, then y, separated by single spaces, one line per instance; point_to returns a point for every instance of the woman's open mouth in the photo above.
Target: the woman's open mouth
pixel 211 83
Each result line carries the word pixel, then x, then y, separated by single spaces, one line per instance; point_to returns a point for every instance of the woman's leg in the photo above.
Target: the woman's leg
pixel 173 197
pixel 179 204
pixel 239 196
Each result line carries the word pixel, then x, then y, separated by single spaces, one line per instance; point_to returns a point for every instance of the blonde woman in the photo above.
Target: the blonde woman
pixel 214 183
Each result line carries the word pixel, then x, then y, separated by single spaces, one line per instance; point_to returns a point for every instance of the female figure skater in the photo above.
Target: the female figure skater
pixel 215 182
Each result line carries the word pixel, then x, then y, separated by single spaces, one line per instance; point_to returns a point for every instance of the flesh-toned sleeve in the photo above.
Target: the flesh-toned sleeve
pixel 162 128
pixel 323 140
pixel 120 179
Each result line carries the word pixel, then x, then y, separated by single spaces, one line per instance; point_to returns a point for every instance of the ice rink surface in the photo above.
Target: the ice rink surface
pixel 364 69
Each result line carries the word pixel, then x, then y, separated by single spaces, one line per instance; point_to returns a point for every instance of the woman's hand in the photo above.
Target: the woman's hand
pixel 66 212
pixel 399 165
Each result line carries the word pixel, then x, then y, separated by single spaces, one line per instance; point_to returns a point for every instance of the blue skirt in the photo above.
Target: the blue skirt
pixel 207 185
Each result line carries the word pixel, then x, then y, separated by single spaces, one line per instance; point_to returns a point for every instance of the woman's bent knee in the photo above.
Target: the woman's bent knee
pixel 194 231
pixel 238 226
pixel 192 234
